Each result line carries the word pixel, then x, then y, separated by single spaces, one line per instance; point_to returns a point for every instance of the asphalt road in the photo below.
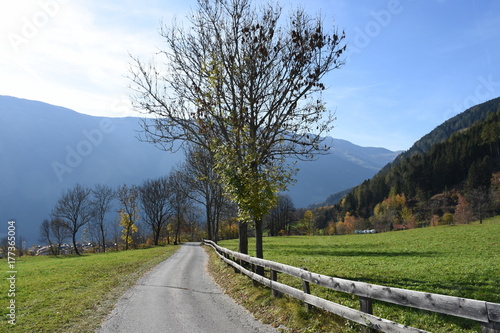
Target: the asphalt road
pixel 179 296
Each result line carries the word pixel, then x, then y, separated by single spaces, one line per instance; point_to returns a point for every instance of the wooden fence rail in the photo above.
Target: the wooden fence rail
pixel 486 313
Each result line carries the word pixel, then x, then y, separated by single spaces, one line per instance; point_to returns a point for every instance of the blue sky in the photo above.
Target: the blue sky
pixel 411 64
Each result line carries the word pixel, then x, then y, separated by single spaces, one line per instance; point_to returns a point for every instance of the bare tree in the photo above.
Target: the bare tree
pixel 206 187
pixel 60 232
pixel 245 87
pixel 179 200
pixel 154 196
pixel 281 216
pixel 102 197
pixel 74 210
pixel 480 202
pixel 193 223
pixel 46 236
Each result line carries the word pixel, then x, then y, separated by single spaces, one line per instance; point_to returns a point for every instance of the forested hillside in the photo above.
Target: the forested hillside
pixel 451 181
pixel 445 130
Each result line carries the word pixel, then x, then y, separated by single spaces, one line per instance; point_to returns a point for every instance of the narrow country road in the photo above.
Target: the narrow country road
pixel 179 296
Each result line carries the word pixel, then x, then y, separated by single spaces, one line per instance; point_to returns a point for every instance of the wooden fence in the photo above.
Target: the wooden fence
pixel 486 313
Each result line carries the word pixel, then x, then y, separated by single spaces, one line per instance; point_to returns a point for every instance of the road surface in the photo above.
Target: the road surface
pixel 179 296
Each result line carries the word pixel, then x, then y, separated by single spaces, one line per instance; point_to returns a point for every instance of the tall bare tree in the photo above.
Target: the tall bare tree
pixel 46 237
pixel 102 197
pixel 206 187
pixel 155 201
pixel 73 209
pixel 179 200
pixel 59 232
pixel 281 216
pixel 245 84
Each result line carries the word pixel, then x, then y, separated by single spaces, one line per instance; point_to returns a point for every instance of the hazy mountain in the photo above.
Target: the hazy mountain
pixel 45 149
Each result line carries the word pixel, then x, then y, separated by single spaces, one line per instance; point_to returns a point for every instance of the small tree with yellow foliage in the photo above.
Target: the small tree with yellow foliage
pixel 129 228
pixel 129 214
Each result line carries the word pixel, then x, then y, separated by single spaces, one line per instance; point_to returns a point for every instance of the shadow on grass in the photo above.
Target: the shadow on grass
pixel 357 250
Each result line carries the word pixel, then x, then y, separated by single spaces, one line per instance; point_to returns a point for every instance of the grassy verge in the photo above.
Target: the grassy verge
pixel 453 260
pixel 284 313
pixel 74 294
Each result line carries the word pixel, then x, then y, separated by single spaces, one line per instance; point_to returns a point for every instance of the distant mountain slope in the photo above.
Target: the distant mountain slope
pixel 345 167
pixel 457 123
pixel 463 161
pixel 45 149
pixel 440 134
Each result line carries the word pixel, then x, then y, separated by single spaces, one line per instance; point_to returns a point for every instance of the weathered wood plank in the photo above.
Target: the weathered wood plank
pixel 493 311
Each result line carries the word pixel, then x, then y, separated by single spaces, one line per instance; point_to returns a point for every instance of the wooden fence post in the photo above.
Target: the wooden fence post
pixel 274 277
pixel 254 269
pixel 236 270
pixel 307 289
pixel 366 306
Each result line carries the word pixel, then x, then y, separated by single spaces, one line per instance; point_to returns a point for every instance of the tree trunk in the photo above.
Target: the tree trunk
pixel 103 238
pixel 128 238
pixel 157 236
pixel 209 221
pixel 215 228
pixel 259 249
pixel 243 237
pixel 74 244
pixel 177 230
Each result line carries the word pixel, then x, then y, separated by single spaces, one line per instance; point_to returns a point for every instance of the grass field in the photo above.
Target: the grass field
pixel 71 293
pixel 461 260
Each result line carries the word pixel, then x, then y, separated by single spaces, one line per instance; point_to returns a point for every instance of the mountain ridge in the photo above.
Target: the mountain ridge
pixel 440 134
pixel 45 149
pixel 455 124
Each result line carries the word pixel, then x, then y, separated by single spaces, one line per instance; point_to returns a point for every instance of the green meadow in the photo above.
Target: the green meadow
pixel 72 293
pixel 460 260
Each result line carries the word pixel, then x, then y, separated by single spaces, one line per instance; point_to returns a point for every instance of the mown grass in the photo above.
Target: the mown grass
pixel 72 293
pixel 461 261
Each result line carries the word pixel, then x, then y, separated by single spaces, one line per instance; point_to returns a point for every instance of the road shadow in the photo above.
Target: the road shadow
pixel 357 250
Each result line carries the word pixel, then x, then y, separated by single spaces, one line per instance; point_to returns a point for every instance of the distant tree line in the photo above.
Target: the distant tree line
pixel 167 209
